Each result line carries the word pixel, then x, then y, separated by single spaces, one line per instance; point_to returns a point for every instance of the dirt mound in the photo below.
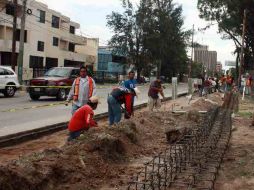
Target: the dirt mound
pixel 194 116
pixel 217 97
pixel 203 105
pixel 78 162
pixel 103 158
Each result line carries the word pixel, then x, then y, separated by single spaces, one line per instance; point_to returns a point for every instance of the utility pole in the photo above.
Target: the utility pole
pixel 14 32
pixel 192 50
pixel 242 48
pixel 190 82
pixel 21 43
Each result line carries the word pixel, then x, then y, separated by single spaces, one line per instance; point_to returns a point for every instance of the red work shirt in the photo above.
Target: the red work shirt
pixel 124 96
pixel 82 119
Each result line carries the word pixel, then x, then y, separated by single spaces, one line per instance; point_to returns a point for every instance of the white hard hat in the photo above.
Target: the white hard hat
pixel 94 99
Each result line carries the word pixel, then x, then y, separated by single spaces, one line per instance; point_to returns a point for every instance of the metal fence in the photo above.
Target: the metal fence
pixel 192 162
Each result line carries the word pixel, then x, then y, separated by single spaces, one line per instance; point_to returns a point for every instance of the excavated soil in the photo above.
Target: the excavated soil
pixel 237 170
pixel 103 158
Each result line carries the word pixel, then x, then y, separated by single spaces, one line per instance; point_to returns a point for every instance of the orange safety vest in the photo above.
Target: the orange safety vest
pixel 248 82
pixel 76 88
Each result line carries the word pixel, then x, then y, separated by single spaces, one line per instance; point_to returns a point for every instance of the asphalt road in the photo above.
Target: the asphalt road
pixel 20 113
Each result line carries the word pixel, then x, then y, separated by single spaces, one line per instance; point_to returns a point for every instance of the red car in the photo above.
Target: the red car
pixel 52 81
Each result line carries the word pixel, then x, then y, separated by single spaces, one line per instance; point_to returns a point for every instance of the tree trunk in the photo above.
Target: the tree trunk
pixel 237 68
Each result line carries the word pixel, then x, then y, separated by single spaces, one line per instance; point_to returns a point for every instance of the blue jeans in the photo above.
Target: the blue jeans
pixel 74 108
pixel 114 110
pixel 74 135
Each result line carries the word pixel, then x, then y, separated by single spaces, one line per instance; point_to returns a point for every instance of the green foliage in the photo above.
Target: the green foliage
pixel 229 16
pixel 151 33
pixel 196 70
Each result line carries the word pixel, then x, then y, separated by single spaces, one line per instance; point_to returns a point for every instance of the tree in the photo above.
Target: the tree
pixel 228 14
pixel 151 34
pixel 127 38
pixel 196 69
pixel 166 41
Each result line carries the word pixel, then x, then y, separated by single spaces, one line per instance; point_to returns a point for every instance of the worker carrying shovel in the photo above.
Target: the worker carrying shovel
pixel 121 95
pixel 82 119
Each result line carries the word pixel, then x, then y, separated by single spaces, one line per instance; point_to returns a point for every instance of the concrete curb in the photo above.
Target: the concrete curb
pixel 17 138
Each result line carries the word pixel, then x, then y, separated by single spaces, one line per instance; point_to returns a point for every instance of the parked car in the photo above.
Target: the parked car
pixel 147 79
pixel 8 81
pixel 52 81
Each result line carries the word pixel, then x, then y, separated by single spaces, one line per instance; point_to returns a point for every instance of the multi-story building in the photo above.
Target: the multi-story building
pixel 207 58
pixel 50 37
pixel 110 62
pixel 219 67
pixel 91 52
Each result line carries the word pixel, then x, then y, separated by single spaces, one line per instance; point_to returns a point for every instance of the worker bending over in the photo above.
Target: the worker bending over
pixel 82 119
pixel 117 97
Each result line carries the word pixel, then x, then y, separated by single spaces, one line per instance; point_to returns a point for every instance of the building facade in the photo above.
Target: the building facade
pixel 109 62
pixel 207 58
pixel 50 38
pixel 219 67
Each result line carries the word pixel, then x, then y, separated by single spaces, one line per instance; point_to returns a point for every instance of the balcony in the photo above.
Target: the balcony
pixel 77 40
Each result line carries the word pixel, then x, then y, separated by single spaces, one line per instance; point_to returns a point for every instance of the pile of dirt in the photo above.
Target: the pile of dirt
pixel 73 166
pixel 217 97
pixel 102 158
pixel 203 104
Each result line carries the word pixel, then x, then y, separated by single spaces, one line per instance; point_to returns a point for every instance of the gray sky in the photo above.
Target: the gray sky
pixel 91 14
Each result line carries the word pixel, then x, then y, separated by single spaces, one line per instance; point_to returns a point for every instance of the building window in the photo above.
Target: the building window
pixel 36 62
pixel 70 63
pixel 40 46
pixel 55 21
pixel 103 60
pixel 71 47
pixel 55 41
pixel 9 9
pixel 18 35
pixel 42 16
pixel 51 62
pixel 72 29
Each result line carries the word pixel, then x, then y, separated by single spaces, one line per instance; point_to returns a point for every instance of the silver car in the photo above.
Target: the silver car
pixel 8 81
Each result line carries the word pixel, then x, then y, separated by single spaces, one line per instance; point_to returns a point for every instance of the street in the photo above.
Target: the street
pixel 20 113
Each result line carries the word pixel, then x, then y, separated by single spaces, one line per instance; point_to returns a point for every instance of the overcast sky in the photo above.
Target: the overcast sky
pixel 91 14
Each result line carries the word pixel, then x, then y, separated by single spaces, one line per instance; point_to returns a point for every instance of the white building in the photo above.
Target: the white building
pixel 230 64
pixel 50 38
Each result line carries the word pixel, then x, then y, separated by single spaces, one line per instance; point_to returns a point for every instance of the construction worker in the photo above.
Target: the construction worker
pixel 131 84
pixel 118 96
pixel 248 84
pixel 153 94
pixel 82 89
pixel 229 82
pixel 82 119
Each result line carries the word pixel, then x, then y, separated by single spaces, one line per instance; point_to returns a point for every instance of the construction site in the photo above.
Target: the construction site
pixel 205 143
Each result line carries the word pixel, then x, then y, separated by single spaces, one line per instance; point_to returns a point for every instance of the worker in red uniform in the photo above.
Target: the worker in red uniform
pixel 117 97
pixel 82 119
